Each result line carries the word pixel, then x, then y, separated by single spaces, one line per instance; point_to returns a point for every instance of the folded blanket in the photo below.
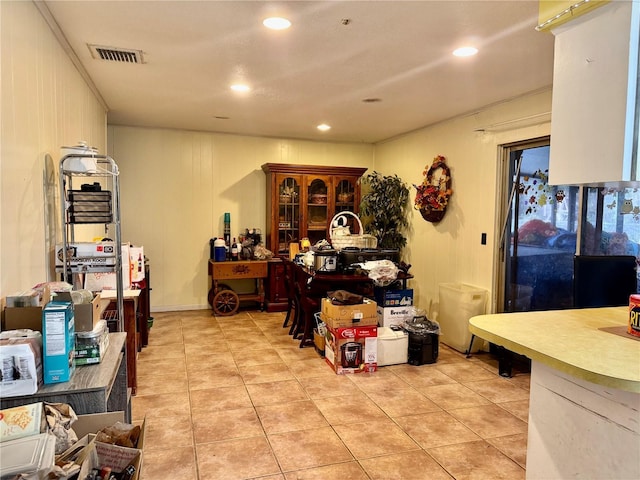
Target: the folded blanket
pixel 342 297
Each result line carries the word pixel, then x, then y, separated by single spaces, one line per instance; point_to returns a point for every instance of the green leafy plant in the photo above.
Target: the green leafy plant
pixel 384 208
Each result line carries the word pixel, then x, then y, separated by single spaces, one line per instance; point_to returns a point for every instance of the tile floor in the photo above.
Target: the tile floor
pixel 235 398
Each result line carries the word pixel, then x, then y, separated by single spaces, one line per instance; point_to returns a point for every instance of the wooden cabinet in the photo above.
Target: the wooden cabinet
pixel 97 388
pixel 302 200
pixel 595 107
pixel 277 299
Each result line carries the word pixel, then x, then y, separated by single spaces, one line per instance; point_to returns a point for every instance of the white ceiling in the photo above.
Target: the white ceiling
pixel 318 71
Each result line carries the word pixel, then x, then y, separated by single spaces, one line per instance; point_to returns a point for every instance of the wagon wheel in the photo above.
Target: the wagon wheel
pixel 226 302
pixel 210 295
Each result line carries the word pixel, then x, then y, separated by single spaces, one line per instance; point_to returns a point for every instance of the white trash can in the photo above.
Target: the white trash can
pixel 459 302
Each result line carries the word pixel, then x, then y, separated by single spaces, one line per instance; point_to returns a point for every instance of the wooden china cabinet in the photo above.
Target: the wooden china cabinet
pixel 301 202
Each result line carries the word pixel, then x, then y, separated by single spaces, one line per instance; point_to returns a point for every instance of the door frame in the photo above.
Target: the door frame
pixel 503 209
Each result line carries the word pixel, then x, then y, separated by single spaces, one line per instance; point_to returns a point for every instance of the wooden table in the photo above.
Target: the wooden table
pixel 222 298
pixel 584 403
pixel 310 287
pixel 130 305
pixel 92 388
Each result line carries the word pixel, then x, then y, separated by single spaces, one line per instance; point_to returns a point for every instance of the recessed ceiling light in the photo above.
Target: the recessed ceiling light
pixel 465 51
pixel 276 23
pixel 323 127
pixel 239 87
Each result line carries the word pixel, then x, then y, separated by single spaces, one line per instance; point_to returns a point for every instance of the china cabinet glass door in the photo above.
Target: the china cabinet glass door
pixel 318 208
pixel 345 200
pixel 288 213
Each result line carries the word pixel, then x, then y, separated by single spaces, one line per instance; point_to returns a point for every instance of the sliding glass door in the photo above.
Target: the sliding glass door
pixel 538 240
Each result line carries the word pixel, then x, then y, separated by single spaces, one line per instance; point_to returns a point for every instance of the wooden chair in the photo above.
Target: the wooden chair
pixel 293 308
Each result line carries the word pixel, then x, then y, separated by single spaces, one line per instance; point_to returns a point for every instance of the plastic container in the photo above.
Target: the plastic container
pixel 393 346
pixel 458 303
pixel 86 163
pixel 219 250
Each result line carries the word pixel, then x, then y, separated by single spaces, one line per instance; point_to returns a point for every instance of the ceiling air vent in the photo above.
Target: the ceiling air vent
pixel 111 54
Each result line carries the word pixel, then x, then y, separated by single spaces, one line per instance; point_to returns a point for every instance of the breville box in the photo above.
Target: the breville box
pixel 393 298
pixel 394 316
pixel 58 342
pixel 21 363
pixel 87 315
pixel 341 316
pixel 352 350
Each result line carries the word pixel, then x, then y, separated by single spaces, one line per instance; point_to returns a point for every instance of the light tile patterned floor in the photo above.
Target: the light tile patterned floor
pixel 235 398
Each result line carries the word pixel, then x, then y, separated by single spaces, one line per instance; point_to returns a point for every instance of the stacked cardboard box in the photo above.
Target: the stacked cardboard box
pixel 351 340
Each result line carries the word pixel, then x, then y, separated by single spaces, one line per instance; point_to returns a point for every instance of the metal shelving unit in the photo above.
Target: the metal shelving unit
pixel 94 203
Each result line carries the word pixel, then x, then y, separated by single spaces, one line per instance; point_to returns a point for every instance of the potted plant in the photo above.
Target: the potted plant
pixel 384 208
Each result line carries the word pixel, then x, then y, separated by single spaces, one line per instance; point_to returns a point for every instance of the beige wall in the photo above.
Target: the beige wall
pixel 450 251
pixel 45 104
pixel 177 185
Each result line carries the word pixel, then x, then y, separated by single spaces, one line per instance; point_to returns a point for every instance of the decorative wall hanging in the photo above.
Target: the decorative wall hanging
pixel 434 192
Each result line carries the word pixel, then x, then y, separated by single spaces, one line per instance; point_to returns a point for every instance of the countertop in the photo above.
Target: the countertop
pixel 570 341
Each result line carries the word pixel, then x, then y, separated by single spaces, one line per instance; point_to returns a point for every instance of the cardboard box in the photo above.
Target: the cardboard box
pixel 86 315
pixel 393 298
pixel 98 281
pixel 21 363
pixel 342 316
pixel 394 316
pixel 352 350
pixel 86 427
pixel 58 342
pixel 22 421
pixel 16 318
pixel 88 255
pixel 136 263
pixel 393 346
pixel 27 298
pixel 117 457
pixel 318 342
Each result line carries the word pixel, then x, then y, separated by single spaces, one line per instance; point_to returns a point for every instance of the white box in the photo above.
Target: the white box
pixel 22 421
pixel 98 281
pixel 393 316
pixel 393 346
pixel 88 254
pixel 136 263
pixel 21 362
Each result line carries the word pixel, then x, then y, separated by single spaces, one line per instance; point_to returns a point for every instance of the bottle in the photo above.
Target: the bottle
pixel 234 250
pixel 227 229
pixel 239 248
pixel 139 262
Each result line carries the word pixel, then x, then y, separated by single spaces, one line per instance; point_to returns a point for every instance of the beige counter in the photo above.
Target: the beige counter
pixel 569 341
